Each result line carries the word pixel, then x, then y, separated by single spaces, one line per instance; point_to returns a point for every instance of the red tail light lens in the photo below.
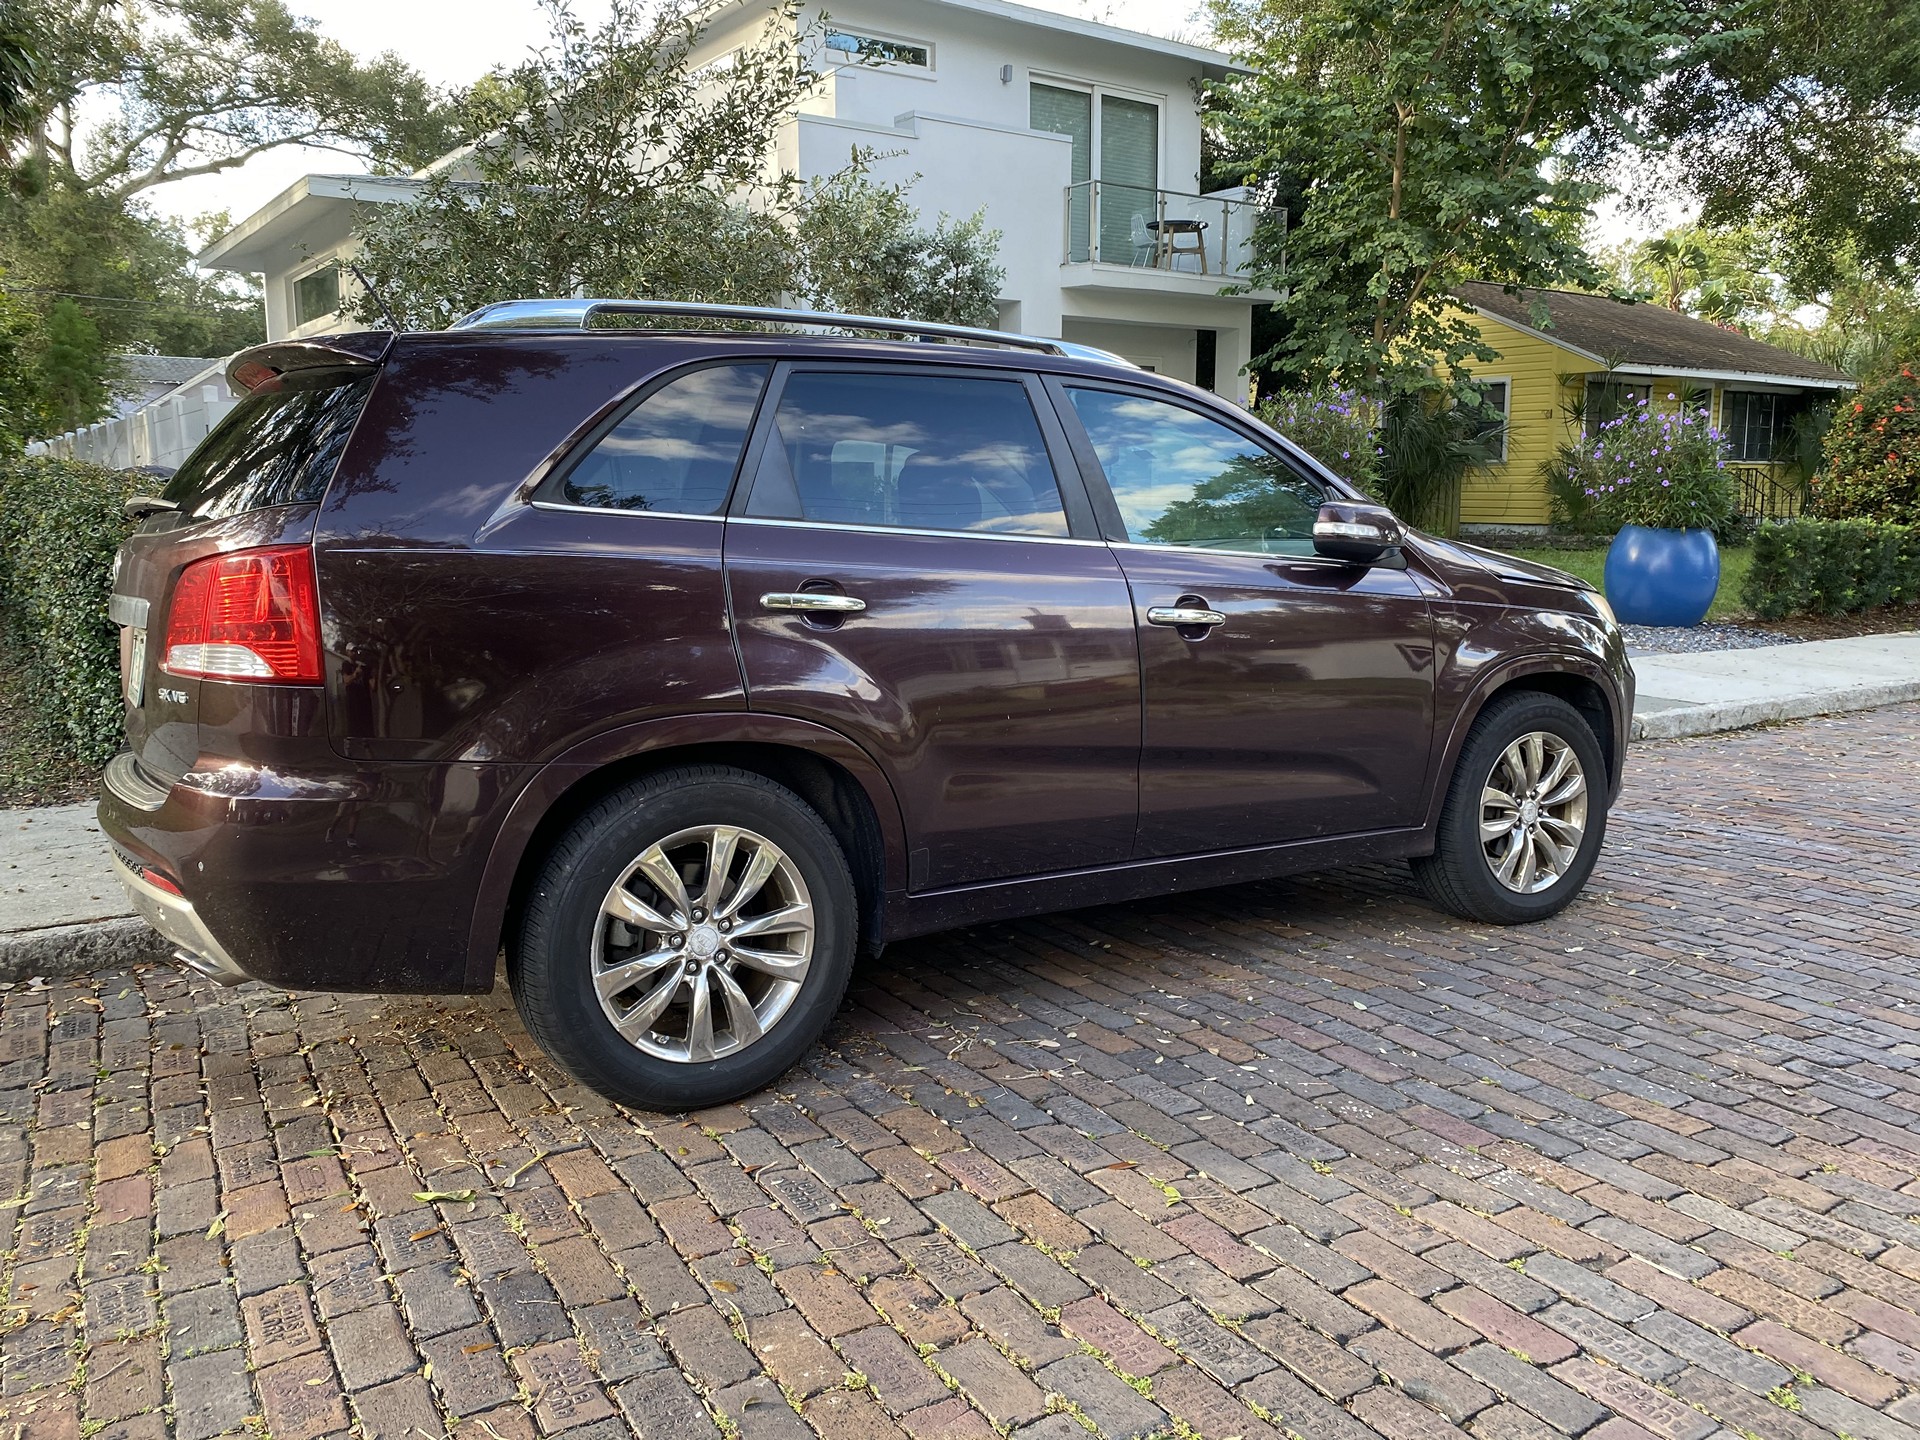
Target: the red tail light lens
pixel 252 615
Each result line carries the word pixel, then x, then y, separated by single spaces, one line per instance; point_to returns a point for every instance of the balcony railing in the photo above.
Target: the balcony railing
pixel 1768 492
pixel 1113 224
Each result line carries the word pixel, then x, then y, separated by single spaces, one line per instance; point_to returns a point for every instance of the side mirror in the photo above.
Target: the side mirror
pixel 1356 533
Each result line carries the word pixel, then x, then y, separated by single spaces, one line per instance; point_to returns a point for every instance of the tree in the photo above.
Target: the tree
pixel 1798 115
pixel 200 86
pixel 72 368
pixel 610 164
pixel 1434 137
pixel 19 74
pixel 1727 276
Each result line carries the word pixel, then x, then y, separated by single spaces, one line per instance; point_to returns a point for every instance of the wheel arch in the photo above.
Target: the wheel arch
pixel 834 776
pixel 1581 684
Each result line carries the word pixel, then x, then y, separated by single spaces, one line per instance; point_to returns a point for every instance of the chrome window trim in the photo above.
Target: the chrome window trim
pixel 1267 555
pixel 903 530
pixel 618 510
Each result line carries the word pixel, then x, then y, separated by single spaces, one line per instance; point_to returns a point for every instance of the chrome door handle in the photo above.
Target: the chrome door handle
pixel 810 600
pixel 1184 615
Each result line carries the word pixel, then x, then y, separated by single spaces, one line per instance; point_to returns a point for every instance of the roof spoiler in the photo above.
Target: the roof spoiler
pixel 261 364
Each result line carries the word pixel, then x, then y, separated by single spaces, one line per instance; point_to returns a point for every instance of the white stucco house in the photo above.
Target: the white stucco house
pixel 1080 141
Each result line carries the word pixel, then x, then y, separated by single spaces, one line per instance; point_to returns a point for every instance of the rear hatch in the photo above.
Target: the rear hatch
pixel 255 481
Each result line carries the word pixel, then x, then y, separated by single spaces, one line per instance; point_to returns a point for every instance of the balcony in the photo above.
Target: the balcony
pixel 1161 234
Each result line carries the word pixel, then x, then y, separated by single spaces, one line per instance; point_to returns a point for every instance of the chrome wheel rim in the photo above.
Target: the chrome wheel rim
pixel 702 944
pixel 1533 813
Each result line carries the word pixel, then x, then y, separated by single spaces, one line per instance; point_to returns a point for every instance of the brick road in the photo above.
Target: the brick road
pixel 1300 1157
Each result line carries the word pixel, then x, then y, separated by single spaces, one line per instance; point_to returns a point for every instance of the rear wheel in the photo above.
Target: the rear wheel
pixel 1524 817
pixel 687 940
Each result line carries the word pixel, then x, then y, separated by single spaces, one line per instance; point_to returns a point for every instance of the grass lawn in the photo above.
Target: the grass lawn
pixel 1588 564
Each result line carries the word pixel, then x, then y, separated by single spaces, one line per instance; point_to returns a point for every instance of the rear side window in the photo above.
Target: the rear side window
pixel 278 446
pixel 919 452
pixel 676 451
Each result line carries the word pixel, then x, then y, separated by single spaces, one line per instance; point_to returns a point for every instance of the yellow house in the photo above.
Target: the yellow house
pixel 1568 361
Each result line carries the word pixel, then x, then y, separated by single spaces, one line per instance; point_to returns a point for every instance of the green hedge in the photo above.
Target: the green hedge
pixel 1829 567
pixel 60 523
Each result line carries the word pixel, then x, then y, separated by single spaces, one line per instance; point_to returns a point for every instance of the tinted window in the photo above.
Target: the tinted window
pixel 276 447
pixel 676 450
pixel 1182 478
pixel 922 452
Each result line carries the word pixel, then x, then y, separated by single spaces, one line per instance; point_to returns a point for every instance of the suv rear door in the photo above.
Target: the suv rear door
pixel 1307 709
pixel 914 564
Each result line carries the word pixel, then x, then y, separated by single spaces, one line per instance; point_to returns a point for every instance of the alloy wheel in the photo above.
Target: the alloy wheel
pixel 1533 812
pixel 703 943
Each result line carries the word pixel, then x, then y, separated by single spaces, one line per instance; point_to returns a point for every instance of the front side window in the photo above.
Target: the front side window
pixel 1183 478
pixel 916 452
pixel 675 452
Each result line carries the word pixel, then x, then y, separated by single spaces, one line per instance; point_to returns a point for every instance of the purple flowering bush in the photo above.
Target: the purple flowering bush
pixel 1665 469
pixel 1337 427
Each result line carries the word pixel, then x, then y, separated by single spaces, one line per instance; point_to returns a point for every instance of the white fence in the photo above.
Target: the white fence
pixel 163 433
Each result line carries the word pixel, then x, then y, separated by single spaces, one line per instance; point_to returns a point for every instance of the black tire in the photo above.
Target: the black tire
pixel 550 963
pixel 1458 876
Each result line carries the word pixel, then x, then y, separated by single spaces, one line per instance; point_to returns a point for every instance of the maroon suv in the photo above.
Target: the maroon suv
pixel 681 664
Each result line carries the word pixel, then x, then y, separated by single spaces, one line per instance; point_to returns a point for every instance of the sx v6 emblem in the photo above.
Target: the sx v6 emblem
pixel 173 697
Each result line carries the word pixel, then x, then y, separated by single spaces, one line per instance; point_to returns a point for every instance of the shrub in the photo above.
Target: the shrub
pixel 1335 427
pixel 60 523
pixel 1830 567
pixel 1665 469
pixel 1872 469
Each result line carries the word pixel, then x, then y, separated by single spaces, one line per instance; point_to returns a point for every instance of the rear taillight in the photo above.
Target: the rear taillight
pixel 250 615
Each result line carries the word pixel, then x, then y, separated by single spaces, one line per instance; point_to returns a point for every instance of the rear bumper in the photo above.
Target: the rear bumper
pixel 358 879
pixel 179 925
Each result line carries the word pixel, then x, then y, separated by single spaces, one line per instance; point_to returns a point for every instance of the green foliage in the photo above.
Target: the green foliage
pixel 1661 468
pixel 73 364
pixel 60 523
pixel 1727 276
pixel 1336 427
pixel 614 166
pixel 860 251
pixel 1831 567
pixel 1872 469
pixel 1799 114
pixel 1432 139
pixel 1570 499
pixel 194 87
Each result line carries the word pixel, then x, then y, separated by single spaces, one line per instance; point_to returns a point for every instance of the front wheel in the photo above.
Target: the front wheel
pixel 1524 817
pixel 686 940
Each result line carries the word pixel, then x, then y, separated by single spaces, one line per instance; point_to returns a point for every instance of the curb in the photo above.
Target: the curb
pixel 75 949
pixel 1687 720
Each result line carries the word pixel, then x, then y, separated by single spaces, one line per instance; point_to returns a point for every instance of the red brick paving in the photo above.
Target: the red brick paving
pixel 1300 1158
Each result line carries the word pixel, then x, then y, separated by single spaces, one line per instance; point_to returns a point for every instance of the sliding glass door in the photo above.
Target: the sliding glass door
pixel 1124 135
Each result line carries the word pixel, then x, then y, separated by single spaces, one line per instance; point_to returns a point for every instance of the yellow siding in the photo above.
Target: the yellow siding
pixel 1538 423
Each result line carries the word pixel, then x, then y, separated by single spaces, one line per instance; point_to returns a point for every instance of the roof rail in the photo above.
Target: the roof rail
pixel 577 315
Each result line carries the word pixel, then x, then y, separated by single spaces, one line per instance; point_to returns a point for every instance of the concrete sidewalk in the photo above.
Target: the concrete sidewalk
pixel 62 912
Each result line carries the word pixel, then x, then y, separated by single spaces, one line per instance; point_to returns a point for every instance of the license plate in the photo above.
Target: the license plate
pixel 133 665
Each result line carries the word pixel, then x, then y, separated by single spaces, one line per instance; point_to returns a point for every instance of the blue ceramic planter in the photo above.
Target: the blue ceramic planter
pixel 1662 577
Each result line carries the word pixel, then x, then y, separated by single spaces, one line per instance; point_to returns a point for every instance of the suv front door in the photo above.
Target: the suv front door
pixel 1307 711
pixel 907 568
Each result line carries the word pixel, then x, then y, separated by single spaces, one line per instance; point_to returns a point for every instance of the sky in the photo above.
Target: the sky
pixel 453 42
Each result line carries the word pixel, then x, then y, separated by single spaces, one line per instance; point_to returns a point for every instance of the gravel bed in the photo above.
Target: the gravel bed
pixel 1674 640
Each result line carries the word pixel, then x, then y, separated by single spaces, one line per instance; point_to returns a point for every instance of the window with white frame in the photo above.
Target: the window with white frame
pixel 879 49
pixel 1754 423
pixel 1493 409
pixel 317 293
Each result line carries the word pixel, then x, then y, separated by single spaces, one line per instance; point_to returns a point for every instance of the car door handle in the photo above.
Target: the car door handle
pixel 1184 615
pixel 812 601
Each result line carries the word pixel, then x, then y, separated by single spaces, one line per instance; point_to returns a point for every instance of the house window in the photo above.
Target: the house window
pixel 1494 407
pixel 1610 399
pixel 316 293
pixel 1116 141
pixel 1754 424
pixel 872 47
